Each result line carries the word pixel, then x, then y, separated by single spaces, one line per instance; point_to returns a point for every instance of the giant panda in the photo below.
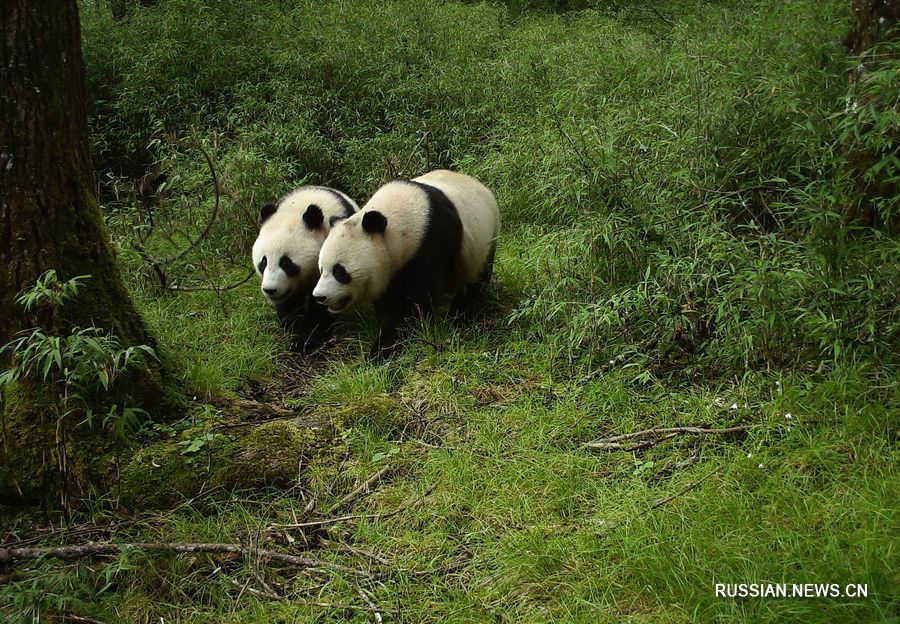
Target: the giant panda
pixel 413 244
pixel 286 254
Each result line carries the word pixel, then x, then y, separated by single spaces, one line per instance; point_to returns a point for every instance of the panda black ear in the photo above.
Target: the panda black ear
pixel 267 211
pixel 334 220
pixel 374 222
pixel 313 217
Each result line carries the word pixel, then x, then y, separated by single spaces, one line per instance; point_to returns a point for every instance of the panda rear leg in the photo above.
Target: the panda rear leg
pixel 469 300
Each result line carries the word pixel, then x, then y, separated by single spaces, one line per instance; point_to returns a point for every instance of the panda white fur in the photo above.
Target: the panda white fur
pixel 286 254
pixel 414 243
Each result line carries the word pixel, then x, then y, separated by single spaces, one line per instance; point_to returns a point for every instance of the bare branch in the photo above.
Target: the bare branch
pixel 178 288
pixel 362 489
pixel 412 153
pixel 212 216
pixel 309 603
pixel 79 551
pixel 687 488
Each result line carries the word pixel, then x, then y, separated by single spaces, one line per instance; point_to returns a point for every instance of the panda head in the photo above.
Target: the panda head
pixel 354 263
pixel 286 251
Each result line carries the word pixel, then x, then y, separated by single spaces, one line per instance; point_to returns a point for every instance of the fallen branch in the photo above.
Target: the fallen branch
pixel 638 446
pixel 412 153
pixel 662 17
pixel 353 550
pixel 259 593
pixel 375 610
pixel 614 443
pixel 362 489
pixel 71 553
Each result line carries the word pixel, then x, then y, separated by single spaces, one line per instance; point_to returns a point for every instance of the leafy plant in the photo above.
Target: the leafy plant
pixel 75 365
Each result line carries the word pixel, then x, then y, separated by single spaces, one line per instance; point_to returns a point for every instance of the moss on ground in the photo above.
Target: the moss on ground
pixel 380 413
pixel 271 454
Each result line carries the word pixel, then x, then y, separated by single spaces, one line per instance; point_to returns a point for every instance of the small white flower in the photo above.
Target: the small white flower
pixel 612 361
pixel 745 405
pixel 734 406
pixel 760 465
pixel 749 455
pixel 777 383
pixel 789 416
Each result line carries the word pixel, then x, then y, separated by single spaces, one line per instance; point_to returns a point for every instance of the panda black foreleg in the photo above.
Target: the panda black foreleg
pixel 392 312
pixel 308 323
pixel 315 328
pixel 390 315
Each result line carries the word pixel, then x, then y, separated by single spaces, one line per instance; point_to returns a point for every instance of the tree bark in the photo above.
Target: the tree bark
pixel 49 215
pixel 874 21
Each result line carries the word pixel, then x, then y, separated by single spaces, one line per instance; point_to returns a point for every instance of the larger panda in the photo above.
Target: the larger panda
pixel 286 254
pixel 413 244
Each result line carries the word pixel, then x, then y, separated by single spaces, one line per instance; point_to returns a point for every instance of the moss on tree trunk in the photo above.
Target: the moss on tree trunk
pixel 50 218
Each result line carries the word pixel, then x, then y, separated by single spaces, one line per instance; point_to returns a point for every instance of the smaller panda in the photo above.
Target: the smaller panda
pixel 286 254
pixel 414 243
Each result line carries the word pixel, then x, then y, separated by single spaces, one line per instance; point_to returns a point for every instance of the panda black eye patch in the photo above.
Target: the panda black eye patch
pixel 289 267
pixel 340 274
pixel 261 267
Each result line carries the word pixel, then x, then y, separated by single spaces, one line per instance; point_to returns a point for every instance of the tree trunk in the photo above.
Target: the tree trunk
pixel 49 215
pixel 874 21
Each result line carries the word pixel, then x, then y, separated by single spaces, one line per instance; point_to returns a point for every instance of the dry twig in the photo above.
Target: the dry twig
pixel 309 603
pixel 381 516
pixel 71 617
pixel 375 610
pixel 230 286
pixel 665 433
pixel 362 489
pixel 690 486
pixel 353 550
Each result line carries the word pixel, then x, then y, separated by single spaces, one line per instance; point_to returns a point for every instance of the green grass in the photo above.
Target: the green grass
pixel 220 342
pixel 672 244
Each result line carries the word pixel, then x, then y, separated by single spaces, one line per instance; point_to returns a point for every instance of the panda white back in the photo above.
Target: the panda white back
pixel 478 213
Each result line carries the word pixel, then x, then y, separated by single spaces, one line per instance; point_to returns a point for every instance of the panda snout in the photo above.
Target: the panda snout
pixel 276 294
pixel 320 298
